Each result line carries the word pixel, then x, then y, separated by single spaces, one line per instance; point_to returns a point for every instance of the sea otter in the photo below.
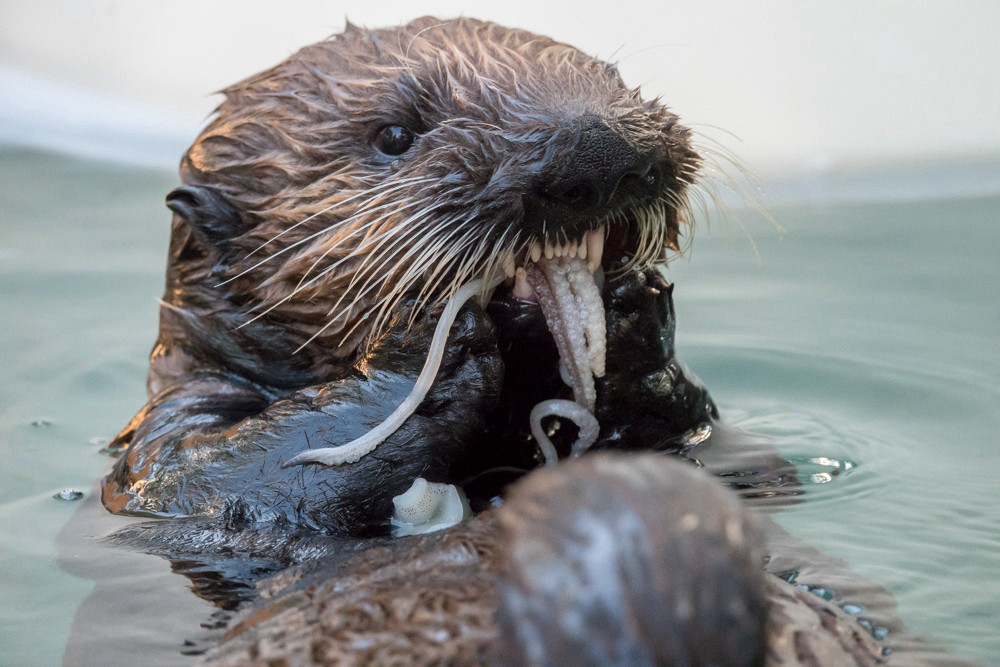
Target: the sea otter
pixel 331 207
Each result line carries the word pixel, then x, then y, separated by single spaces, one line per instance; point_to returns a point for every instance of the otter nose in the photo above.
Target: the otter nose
pixel 602 162
pixel 601 174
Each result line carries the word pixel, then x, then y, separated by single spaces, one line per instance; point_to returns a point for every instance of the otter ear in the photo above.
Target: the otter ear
pixel 207 211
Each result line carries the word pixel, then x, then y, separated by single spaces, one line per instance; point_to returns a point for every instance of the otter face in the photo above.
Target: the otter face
pixel 414 160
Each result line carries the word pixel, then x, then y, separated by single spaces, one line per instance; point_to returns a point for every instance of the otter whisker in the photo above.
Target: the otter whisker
pixel 301 286
pixel 355 252
pixel 377 199
pixel 388 302
pixel 445 265
pixel 461 270
pixel 371 238
pixel 374 192
pixel 504 252
pixel 363 248
pixel 375 278
pixel 442 267
pixel 326 326
pixel 337 314
pixel 371 269
pixel 343 230
pixel 414 233
pixel 460 273
pixel 452 250
pixel 326 230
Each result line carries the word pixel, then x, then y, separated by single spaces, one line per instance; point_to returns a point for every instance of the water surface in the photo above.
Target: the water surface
pixel 863 340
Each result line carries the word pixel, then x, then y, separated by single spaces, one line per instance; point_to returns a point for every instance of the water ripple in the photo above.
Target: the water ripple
pixel 831 460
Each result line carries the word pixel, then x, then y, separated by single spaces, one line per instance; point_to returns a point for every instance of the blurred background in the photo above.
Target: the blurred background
pixel 794 87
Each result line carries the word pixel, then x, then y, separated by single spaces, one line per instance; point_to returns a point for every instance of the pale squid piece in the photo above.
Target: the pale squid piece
pixel 427 507
pixel 565 288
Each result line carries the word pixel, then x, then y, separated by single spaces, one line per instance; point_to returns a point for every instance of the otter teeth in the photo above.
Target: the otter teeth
pixel 595 248
pixel 522 289
pixel 589 247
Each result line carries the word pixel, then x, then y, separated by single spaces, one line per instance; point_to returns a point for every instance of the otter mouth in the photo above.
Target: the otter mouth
pixel 563 279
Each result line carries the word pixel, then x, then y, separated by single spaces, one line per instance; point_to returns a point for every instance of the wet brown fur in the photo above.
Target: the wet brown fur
pixel 332 233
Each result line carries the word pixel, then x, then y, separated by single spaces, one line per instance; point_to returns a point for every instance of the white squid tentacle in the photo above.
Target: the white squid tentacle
pixel 354 450
pixel 588 300
pixel 555 407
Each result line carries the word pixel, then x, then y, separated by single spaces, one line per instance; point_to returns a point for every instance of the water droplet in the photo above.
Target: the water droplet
pixel 822 469
pixel 696 435
pixel 68 494
pixel 853 609
pixel 879 633
pixel 788 575
pixel 820 591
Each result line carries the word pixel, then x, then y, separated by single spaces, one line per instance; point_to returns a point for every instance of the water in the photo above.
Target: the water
pixel 863 340
pixel 870 334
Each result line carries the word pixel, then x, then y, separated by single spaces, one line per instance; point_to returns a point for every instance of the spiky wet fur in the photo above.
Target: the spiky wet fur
pixel 335 233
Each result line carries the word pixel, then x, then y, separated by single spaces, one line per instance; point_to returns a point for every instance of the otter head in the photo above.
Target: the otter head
pixel 386 163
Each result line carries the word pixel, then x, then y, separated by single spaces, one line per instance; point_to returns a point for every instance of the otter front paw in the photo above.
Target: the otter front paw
pixel 647 399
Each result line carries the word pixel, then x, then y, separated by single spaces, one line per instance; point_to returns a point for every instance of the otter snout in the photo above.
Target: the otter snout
pixel 602 174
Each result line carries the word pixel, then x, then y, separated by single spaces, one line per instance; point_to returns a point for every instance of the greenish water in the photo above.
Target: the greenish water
pixel 867 334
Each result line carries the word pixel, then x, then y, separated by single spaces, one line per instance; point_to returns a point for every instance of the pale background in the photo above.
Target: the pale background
pixel 803 87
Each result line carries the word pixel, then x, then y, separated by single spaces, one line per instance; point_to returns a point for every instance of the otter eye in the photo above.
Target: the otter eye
pixel 394 140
